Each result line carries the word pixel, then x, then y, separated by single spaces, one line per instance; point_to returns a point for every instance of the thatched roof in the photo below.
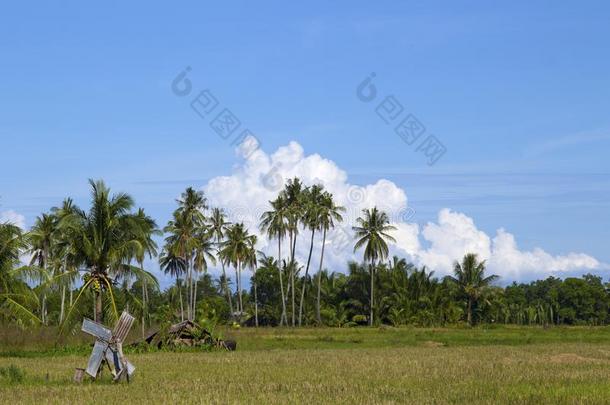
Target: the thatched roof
pixel 182 327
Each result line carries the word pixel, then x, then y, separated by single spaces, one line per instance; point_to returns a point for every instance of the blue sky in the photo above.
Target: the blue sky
pixel 518 94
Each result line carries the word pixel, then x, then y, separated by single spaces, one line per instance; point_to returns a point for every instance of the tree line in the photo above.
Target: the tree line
pixel 92 262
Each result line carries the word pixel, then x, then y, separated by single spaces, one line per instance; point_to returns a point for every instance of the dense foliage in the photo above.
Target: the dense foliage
pixel 90 262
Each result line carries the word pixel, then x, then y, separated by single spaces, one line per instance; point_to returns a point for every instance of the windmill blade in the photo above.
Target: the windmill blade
pixel 97 355
pixel 97 330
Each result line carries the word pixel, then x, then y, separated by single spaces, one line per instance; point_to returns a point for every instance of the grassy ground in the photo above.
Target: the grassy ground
pixel 498 365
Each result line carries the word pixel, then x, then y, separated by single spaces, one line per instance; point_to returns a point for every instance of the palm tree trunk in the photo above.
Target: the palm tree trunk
pixel 255 302
pixel 143 301
pixel 143 310
pixel 63 294
pixel 290 286
pixel 226 287
pixel 99 313
pixel 372 291
pixel 44 309
pixel 241 302
pixel 237 289
pixel 180 297
pixel 293 268
pixel 469 311
pixel 63 303
pixel 292 292
pixel 318 317
pixel 279 266
pixel 195 281
pixel 191 288
pixel 313 232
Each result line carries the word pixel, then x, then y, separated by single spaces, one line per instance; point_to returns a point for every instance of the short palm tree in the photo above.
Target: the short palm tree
pixel 372 233
pixel 470 278
pixel 104 239
pixel 204 254
pixel 175 266
pixel 218 226
pixel 16 298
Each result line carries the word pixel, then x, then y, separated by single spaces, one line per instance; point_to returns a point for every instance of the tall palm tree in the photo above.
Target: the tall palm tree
pixel 250 261
pixel 293 196
pixel 148 247
pixel 372 232
pixel 237 251
pixel 104 239
pixel 191 206
pixel 312 199
pixel 65 252
pixel 174 258
pixel 470 278
pixel 42 239
pixel 218 226
pixel 328 213
pixel 274 223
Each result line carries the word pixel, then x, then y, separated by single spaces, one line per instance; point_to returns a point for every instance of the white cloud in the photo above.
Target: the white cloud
pixel 12 217
pixel 255 181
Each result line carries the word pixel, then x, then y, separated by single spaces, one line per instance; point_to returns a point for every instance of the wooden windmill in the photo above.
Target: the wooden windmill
pixel 108 348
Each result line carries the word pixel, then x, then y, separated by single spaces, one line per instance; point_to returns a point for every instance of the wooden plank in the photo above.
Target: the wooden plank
pixel 79 373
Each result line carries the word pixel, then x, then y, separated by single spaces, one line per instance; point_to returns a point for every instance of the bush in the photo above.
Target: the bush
pixel 12 373
pixel 360 319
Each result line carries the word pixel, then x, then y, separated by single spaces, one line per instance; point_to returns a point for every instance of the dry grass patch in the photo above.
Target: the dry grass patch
pixel 383 375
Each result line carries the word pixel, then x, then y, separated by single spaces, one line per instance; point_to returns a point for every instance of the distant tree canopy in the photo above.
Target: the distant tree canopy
pixel 91 262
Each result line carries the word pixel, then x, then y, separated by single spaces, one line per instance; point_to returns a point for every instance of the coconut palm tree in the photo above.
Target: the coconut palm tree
pixel 237 251
pixel 328 213
pixel 42 238
pixel 174 258
pixel 68 274
pixel 16 298
pixel 250 261
pixel 191 206
pixel 274 223
pixel 175 266
pixel 218 226
pixel 372 233
pixel 469 276
pixel 312 199
pixel 204 248
pixel 104 239
pixel 293 196
pixel 148 247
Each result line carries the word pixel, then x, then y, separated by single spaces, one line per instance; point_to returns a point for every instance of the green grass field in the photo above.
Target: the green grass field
pixel 387 365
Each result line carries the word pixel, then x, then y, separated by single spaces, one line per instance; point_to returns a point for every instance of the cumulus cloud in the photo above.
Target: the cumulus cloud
pixel 12 217
pixel 245 195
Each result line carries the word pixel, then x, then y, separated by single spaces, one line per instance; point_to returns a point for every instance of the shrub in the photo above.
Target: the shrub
pixel 12 373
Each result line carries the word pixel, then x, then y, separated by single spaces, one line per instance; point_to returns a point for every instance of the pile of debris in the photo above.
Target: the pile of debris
pixel 188 334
